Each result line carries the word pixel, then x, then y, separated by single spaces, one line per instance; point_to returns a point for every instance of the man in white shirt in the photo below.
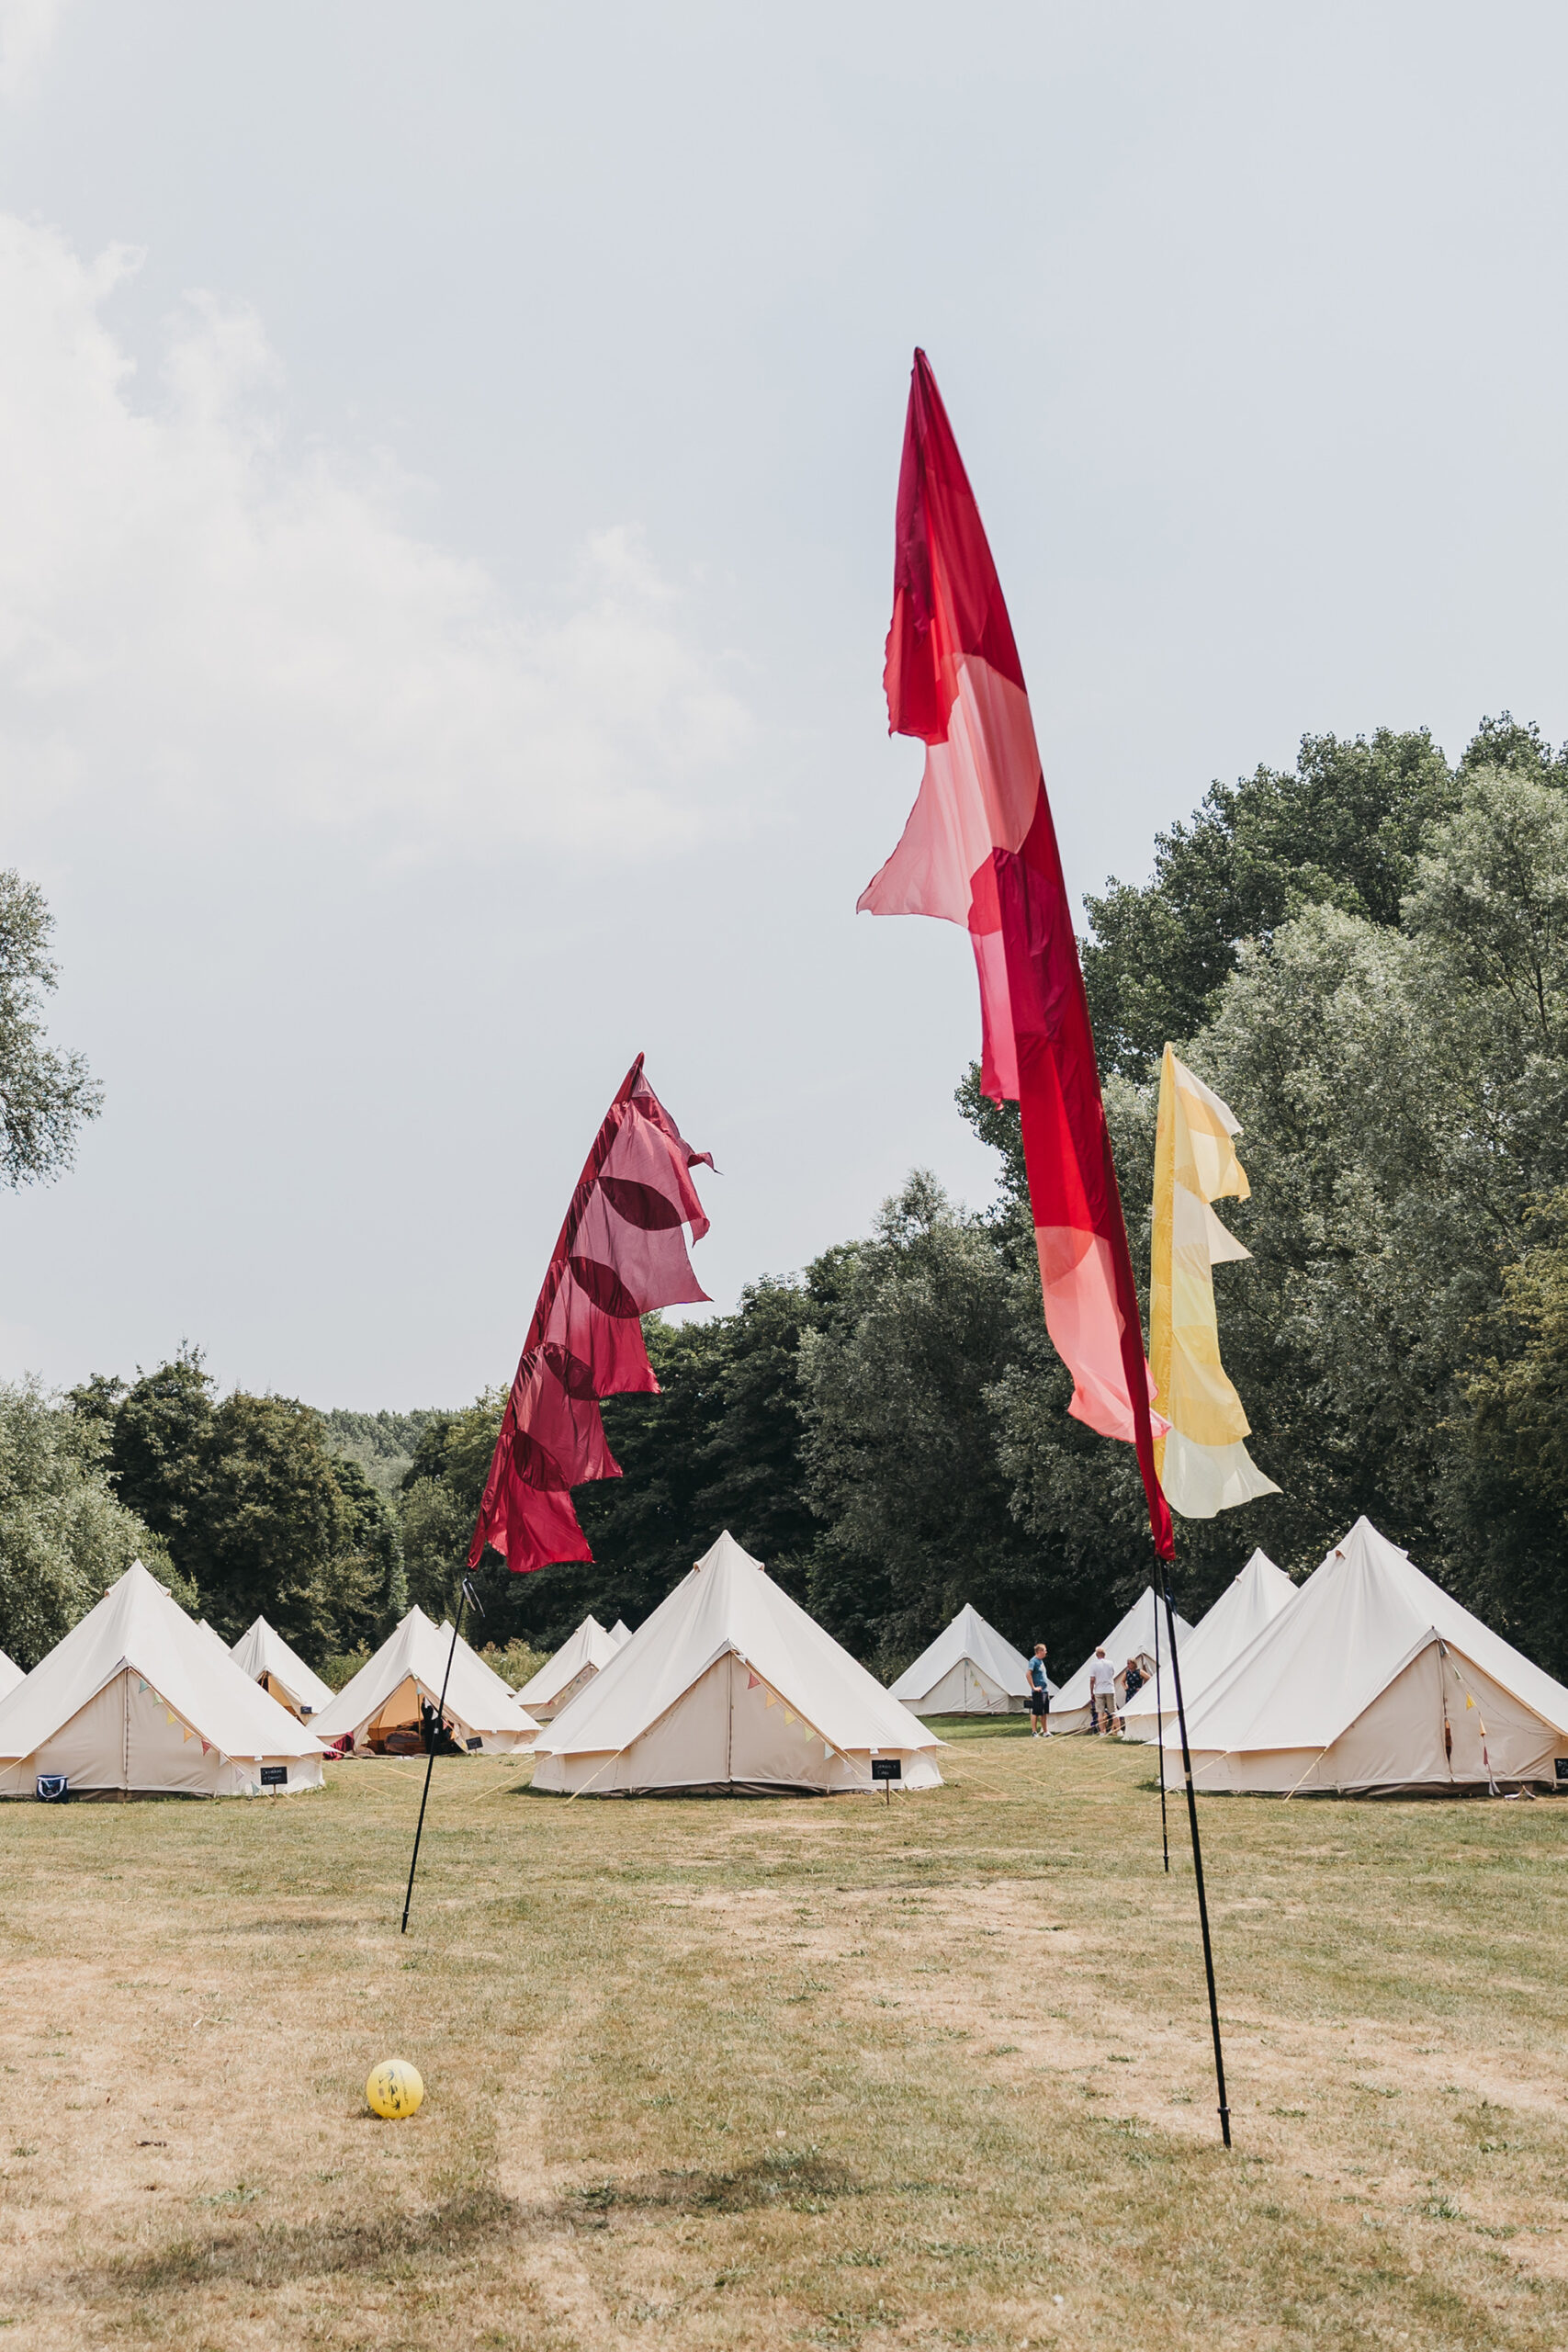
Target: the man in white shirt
pixel 1101 1692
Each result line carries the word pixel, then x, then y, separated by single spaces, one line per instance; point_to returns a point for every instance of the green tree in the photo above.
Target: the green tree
pixel 46 1097
pixel 161 1433
pixel 435 1527
pixel 270 1522
pixel 255 1506
pixel 902 1439
pixel 382 1444
pixel 1343 829
pixel 64 1537
pixel 366 1583
pixel 1508 1496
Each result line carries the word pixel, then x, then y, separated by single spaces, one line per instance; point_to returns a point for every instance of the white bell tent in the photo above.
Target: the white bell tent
pixel 969 1669
pixel 1251 1600
pixel 730 1688
pixel 265 1656
pixel 620 1632
pixel 377 1713
pixel 1133 1637
pixel 10 1674
pixel 571 1669
pixel 1376 1678
pixel 138 1699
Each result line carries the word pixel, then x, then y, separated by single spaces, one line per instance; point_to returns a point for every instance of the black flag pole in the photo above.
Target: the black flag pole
pixel 1197 1857
pixel 1159 1741
pixel 466 1594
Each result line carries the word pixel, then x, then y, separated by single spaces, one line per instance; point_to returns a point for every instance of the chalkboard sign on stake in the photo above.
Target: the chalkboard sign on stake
pixel 275 1776
pixel 887 1769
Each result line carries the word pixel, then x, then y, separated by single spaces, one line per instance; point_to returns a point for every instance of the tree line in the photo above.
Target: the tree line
pixel 1367 956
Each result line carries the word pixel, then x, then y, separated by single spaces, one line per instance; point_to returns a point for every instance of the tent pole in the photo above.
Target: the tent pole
pixel 465 1592
pixel 1197 1858
pixel 1159 1742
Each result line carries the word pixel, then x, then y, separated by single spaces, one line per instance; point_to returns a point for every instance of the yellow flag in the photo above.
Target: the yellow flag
pixel 1203 1466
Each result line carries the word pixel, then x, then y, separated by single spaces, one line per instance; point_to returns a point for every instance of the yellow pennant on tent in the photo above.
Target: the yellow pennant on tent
pixel 1203 1466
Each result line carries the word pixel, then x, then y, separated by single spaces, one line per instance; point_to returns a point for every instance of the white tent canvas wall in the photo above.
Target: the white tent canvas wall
pixel 379 1712
pixel 1374 1678
pixel 571 1669
pixel 138 1700
pixel 265 1656
pixel 730 1688
pixel 969 1669
pixel 1132 1636
pixel 1251 1600
pixel 10 1674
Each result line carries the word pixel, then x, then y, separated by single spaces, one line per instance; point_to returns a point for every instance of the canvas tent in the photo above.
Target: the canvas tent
pixel 10 1674
pixel 571 1669
pixel 967 1670
pixel 377 1713
pixel 1248 1602
pixel 1376 1678
pixel 1134 1636
pixel 138 1700
pixel 730 1688
pixel 265 1656
pixel 620 1632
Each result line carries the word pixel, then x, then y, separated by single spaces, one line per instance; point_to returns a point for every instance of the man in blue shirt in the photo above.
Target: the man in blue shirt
pixel 1039 1694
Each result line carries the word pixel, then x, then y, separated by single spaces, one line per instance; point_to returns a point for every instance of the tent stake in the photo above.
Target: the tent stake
pixel 1197 1858
pixel 465 1592
pixel 1159 1742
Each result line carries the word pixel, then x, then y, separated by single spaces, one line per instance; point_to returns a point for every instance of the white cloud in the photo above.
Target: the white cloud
pixel 27 28
pixel 198 624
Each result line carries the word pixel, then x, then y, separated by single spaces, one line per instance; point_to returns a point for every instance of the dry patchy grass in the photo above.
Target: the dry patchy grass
pixel 714 2074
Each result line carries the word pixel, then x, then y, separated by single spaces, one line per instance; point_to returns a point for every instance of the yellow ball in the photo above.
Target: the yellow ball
pixel 394 2088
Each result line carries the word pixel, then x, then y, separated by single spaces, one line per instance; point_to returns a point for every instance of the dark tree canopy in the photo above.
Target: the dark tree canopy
pixel 258 1513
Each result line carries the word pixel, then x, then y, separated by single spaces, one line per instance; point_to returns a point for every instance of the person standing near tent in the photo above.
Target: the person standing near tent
pixel 1101 1692
pixel 1039 1695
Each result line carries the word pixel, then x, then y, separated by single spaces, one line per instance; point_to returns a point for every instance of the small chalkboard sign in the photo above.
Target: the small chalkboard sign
pixel 53 1788
pixel 472 1744
pixel 1563 1768
pixel 275 1776
pixel 886 1768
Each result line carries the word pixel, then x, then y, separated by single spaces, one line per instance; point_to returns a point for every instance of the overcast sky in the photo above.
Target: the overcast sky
pixel 448 459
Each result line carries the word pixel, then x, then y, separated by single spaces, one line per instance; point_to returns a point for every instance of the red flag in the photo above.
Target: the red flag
pixel 979 849
pixel 621 1253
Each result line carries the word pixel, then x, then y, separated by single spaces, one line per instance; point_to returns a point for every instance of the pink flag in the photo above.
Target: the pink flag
pixel 621 1253
pixel 979 849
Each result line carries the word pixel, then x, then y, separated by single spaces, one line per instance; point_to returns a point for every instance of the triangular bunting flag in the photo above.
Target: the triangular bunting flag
pixel 788 1717
pixel 753 1682
pixel 772 1697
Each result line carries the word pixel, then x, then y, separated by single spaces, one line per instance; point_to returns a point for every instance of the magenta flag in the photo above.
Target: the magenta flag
pixel 980 849
pixel 622 1252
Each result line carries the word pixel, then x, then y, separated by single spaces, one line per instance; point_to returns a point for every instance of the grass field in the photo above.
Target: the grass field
pixel 734 2073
